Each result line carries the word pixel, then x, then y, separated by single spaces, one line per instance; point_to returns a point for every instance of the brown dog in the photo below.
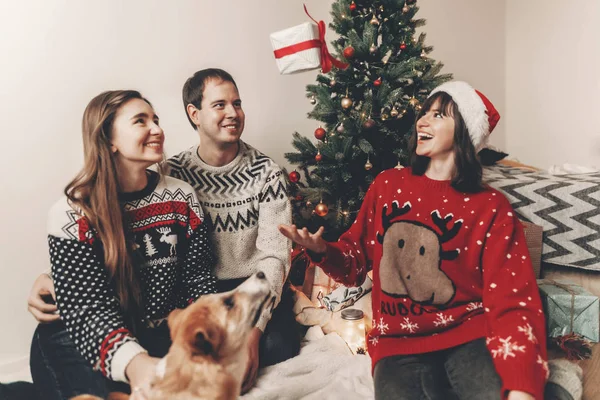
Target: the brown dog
pixel 208 357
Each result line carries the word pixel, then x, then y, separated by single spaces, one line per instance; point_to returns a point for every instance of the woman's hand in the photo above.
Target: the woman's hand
pixel 38 302
pixel 518 395
pixel 140 371
pixel 312 241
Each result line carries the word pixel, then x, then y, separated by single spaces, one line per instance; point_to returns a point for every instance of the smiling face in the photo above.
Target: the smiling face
pixel 136 137
pixel 435 133
pixel 220 119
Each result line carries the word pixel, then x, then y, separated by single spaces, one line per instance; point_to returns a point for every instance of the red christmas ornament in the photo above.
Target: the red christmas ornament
pixel 294 176
pixel 299 197
pixel 352 6
pixel 320 133
pixel 321 209
pixel 377 82
pixel 318 157
pixel 348 52
pixel 403 46
pixel 369 124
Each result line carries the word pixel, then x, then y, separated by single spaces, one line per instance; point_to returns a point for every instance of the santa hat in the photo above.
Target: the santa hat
pixel 477 111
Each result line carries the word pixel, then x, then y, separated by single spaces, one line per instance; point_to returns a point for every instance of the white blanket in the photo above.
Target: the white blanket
pixel 324 369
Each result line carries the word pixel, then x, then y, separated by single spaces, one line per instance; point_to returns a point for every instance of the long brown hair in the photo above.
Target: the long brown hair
pixel 468 172
pixel 94 193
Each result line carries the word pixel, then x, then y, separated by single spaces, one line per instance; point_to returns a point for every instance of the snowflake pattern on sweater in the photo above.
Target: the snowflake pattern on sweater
pixel 170 250
pixel 448 268
pixel 244 201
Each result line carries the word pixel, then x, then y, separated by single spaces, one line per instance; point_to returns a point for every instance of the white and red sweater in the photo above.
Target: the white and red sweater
pixel 448 268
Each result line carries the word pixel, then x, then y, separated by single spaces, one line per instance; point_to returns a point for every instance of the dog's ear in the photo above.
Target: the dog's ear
pixel 207 340
pixel 174 321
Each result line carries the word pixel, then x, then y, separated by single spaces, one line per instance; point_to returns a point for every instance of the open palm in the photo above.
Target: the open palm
pixel 312 241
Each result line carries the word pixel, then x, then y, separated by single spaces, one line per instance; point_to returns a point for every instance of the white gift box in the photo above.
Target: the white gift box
pixel 301 36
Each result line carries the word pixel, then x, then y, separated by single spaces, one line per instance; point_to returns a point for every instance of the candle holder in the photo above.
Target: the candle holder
pixel 352 330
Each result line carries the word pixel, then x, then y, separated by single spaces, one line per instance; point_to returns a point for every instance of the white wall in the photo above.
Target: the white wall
pixel 553 81
pixel 468 36
pixel 58 54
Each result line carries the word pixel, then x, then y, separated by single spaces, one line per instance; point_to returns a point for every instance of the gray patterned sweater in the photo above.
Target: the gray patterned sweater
pixel 244 202
pixel 170 250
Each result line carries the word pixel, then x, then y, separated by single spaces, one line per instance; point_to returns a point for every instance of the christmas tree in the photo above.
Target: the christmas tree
pixel 366 110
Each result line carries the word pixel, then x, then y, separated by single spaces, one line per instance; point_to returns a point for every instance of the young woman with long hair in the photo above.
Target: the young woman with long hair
pixel 456 309
pixel 127 246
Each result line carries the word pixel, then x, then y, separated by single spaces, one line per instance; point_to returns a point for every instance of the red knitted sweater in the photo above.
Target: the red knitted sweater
pixel 448 268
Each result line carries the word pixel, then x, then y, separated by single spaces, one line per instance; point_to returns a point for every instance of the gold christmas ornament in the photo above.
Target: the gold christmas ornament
pixel 373 49
pixel 374 21
pixel 321 209
pixel 332 82
pixel 346 103
pixel 413 102
pixel 405 9
pixel 423 54
pixel 399 166
pixel 368 165
pixel 394 112
pixel 313 100
pixel 384 117
pixel 308 203
pixel 418 107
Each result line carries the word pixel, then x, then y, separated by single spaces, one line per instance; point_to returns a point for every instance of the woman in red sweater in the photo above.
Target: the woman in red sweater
pixel 455 300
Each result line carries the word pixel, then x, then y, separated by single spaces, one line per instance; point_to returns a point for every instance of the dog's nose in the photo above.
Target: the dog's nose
pixel 261 275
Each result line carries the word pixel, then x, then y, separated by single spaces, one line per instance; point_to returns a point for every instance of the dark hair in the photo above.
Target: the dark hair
pixel 193 89
pixel 468 173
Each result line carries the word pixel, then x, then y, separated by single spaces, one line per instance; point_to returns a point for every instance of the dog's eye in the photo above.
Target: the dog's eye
pixel 228 301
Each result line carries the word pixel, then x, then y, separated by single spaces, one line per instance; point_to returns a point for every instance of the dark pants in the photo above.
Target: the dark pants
pixel 60 372
pixel 18 391
pixel 463 372
pixel 281 339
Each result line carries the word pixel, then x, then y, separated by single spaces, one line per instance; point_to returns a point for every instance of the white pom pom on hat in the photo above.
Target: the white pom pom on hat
pixel 477 111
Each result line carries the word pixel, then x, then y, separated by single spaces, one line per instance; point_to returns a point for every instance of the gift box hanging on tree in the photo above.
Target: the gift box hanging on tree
pixel 303 47
pixel 569 309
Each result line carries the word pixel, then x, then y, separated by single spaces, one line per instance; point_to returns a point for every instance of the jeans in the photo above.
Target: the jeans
pixel 60 372
pixel 18 391
pixel 281 339
pixel 464 372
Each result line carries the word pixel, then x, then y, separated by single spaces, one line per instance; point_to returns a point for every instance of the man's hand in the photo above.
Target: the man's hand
pixel 252 370
pixel 312 241
pixel 518 395
pixel 42 310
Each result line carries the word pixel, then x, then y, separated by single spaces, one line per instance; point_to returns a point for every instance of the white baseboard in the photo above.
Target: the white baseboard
pixel 16 369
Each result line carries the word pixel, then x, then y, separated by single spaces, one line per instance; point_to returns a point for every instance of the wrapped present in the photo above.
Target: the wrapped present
pixel 322 285
pixel 303 47
pixel 343 296
pixel 569 308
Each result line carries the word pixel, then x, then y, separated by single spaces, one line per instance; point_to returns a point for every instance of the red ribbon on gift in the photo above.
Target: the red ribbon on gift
pixel 327 60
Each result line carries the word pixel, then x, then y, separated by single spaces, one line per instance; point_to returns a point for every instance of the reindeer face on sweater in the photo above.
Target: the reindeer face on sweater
pixel 412 257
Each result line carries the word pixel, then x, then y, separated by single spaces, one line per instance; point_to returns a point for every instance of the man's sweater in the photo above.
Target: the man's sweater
pixel 448 268
pixel 170 252
pixel 244 202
